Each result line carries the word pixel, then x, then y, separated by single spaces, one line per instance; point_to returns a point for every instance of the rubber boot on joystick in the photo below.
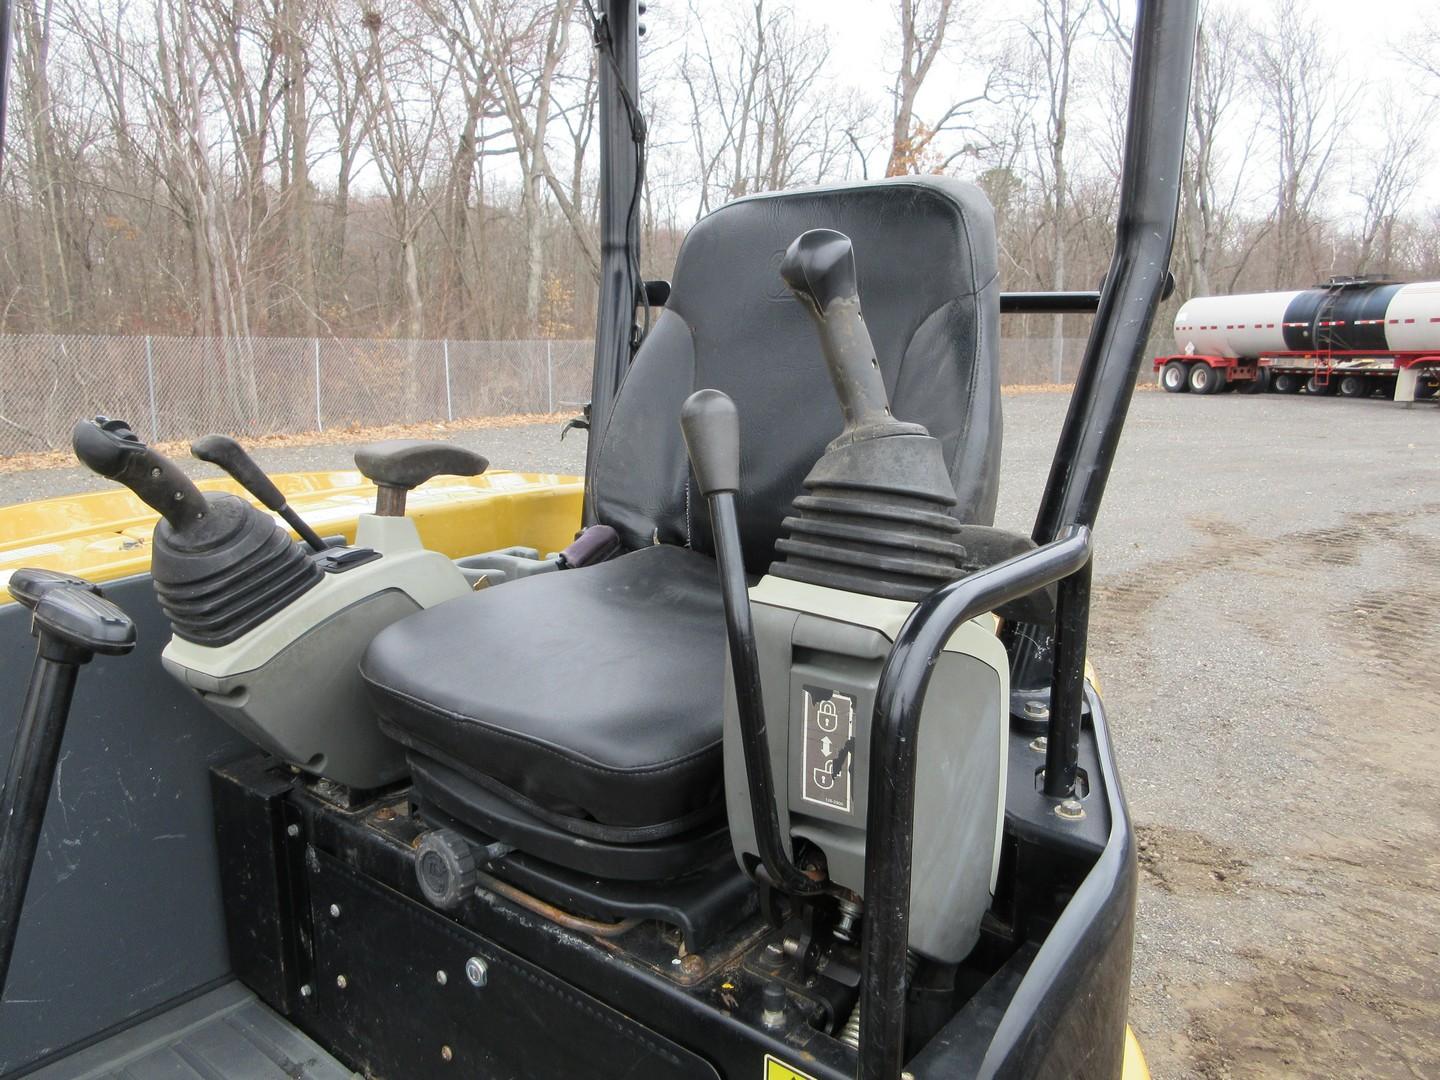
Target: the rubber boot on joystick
pixel 877 514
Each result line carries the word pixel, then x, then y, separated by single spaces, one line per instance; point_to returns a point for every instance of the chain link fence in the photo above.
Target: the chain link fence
pixel 179 388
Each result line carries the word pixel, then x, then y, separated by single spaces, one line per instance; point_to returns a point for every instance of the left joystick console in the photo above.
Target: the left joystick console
pixel 221 566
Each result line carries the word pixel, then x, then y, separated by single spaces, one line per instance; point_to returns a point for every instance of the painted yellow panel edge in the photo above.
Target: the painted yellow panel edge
pixel 105 535
pixel 1135 1067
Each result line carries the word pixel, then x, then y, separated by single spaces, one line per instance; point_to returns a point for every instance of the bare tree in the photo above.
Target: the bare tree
pixel 1055 36
pixel 1307 106
pixel 1386 181
pixel 925 26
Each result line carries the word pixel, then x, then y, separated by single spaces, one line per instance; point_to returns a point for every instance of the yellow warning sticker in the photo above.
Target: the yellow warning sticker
pixel 775 1069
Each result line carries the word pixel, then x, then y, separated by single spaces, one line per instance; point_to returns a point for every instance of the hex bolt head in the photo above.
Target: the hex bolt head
pixel 1037 710
pixel 1039 744
pixel 341 981
pixel 292 831
pixel 1070 810
pixel 477 971
pixel 306 990
pixel 446 1054
pixel 441 978
pixel 334 911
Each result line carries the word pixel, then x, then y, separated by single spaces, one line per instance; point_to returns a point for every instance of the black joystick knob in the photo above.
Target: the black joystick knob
pixel 225 452
pixel 110 448
pixel 711 428
pixel 29 585
pixel 79 623
pixel 877 516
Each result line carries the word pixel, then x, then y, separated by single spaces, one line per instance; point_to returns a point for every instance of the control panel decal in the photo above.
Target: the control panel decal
pixel 827 759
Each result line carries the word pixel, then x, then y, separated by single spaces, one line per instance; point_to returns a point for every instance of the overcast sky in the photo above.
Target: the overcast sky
pixel 862 39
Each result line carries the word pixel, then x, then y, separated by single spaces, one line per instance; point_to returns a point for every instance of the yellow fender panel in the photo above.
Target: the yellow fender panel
pixel 1134 1067
pixel 106 535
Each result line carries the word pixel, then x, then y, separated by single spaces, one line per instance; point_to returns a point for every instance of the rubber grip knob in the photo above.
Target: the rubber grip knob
pixel 84 621
pixel 225 452
pixel 819 266
pixel 711 427
pixel 29 585
pixel 110 448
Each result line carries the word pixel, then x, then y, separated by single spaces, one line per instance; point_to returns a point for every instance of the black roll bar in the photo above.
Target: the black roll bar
pixel 621 153
pixel 894 731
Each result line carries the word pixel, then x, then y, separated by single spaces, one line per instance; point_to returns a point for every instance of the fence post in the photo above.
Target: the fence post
pixel 150 381
pixel 449 409
pixel 549 378
pixel 319 424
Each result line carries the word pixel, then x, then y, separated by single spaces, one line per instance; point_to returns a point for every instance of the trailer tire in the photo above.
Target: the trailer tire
pixel 445 868
pixel 1174 378
pixel 1355 386
pixel 1205 379
pixel 1283 382
pixel 1425 391
pixel 1313 385
pixel 1258 385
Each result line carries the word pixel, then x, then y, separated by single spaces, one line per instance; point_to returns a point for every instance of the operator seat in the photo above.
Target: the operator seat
pixel 578 714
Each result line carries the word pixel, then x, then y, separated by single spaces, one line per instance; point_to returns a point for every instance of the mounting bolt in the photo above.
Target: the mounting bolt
pixel 334 911
pixel 446 1054
pixel 477 971
pixel 772 1007
pixel 774 954
pixel 1037 710
pixel 441 978
pixel 1070 810
pixel 692 965
pixel 292 831
pixel 341 981
pixel 791 946
pixel 306 990
pixel 1039 744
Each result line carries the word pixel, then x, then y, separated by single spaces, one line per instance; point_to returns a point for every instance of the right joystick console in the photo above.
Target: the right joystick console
pixel 876 517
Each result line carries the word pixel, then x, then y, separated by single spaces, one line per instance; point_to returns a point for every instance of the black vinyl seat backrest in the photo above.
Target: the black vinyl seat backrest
pixel 925 252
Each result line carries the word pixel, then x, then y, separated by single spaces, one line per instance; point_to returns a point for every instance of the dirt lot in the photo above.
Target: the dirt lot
pixel 1268 597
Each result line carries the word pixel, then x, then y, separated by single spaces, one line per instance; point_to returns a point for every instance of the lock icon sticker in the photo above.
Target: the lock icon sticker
pixel 826 718
pixel 827 740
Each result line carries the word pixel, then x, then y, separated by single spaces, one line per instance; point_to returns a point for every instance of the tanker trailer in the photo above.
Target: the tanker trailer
pixel 1354 336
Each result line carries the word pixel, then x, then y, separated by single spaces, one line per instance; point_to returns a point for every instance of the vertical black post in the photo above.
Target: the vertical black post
pixel 1062 742
pixel 27 789
pixel 1164 53
pixel 621 152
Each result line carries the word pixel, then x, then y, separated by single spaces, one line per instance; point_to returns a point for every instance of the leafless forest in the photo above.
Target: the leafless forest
pixel 426 168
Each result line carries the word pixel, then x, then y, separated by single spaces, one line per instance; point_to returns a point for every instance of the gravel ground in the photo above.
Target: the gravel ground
pixel 1266 598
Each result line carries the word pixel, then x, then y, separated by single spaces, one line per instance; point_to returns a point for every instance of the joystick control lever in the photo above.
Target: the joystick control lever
pixel 711 428
pixel 225 452
pixel 111 449
pixel 819 267
pixel 73 623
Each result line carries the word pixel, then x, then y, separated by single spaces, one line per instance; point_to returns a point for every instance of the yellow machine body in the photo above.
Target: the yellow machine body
pixel 105 535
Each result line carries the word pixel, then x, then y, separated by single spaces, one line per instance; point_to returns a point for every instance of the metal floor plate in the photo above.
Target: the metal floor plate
pixel 227 1034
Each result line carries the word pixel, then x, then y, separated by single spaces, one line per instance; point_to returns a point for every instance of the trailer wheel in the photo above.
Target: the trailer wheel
pixel 445 868
pixel 1355 386
pixel 1314 386
pixel 1205 379
pixel 1425 391
pixel 1173 377
pixel 1282 382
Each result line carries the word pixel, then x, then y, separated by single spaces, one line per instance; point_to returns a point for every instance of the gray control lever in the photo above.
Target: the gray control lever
pixel 225 452
pixel 711 428
pixel 73 623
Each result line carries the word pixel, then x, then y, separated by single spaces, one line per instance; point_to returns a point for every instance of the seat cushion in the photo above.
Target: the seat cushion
pixel 596 693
